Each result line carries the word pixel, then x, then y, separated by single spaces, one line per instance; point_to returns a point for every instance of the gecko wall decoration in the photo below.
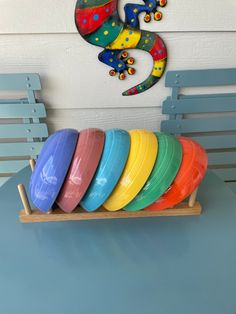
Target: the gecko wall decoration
pixel 99 23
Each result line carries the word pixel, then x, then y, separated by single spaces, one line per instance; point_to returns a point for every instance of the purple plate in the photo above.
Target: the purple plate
pixel 51 168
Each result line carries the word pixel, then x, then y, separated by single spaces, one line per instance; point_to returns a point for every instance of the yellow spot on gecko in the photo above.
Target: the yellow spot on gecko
pixel 113 24
pixel 97 39
pixel 134 36
pixel 135 10
pixel 106 32
pixel 146 41
pixel 119 65
pixel 150 5
pixel 110 59
pixel 158 68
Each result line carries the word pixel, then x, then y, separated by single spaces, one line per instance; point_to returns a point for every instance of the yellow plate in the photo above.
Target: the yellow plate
pixel 141 160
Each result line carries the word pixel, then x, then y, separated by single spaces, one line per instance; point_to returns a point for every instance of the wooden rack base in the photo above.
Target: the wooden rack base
pixel 58 215
pixel 29 215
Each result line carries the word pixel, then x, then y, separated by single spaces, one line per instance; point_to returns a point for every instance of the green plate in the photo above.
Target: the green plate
pixel 165 170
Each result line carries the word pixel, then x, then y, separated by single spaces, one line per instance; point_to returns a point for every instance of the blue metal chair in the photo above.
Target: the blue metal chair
pixel 217 133
pixel 21 133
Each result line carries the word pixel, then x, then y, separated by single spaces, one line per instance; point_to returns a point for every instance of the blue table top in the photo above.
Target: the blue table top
pixel 154 265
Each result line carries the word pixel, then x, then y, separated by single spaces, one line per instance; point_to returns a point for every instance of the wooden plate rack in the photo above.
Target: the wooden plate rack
pixel 32 215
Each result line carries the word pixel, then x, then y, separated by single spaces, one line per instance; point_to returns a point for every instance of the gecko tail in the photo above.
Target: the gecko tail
pixel 142 87
pixel 153 44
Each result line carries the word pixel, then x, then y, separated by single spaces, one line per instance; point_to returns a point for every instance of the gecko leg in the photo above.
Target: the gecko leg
pixel 132 11
pixel 118 61
pixel 153 8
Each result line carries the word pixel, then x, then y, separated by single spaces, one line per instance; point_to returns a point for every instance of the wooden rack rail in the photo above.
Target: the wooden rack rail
pixel 32 215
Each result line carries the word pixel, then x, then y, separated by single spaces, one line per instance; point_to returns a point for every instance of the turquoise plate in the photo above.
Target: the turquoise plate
pixel 112 163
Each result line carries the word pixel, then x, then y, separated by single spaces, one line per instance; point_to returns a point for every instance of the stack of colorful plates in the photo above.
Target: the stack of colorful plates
pixel 116 169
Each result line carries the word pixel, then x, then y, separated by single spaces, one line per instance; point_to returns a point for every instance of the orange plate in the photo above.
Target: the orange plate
pixel 191 172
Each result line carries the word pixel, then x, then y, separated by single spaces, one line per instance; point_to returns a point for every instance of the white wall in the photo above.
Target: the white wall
pixel 40 36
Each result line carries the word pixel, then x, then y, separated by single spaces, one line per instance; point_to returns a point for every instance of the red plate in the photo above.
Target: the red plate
pixel 83 167
pixel 191 172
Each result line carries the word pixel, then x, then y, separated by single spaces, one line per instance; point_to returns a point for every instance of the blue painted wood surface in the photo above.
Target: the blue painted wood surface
pixel 154 265
pixel 14 101
pixel 22 111
pixel 27 134
pixel 232 186
pixel 199 105
pixel 31 130
pixel 217 141
pixel 199 125
pixel 214 132
pixel 3 180
pixel 20 82
pixel 12 166
pixel 20 149
pixel 211 77
pixel 223 158
pixel 227 174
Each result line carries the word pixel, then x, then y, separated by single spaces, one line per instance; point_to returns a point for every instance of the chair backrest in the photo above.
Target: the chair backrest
pixel 216 128
pixel 21 132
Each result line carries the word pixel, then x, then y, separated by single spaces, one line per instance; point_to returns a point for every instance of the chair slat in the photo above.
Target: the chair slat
pixel 20 149
pixel 14 101
pixel 199 125
pixel 191 78
pixel 199 105
pixel 26 81
pixel 23 130
pixel 22 111
pixel 226 174
pixel 217 141
pixel 207 96
pixel 224 158
pixel 3 180
pixel 12 166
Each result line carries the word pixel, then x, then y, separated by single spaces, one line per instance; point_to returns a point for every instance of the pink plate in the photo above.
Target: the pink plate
pixel 83 167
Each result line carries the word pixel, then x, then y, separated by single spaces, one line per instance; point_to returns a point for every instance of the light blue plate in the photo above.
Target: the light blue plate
pixel 114 157
pixel 51 168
